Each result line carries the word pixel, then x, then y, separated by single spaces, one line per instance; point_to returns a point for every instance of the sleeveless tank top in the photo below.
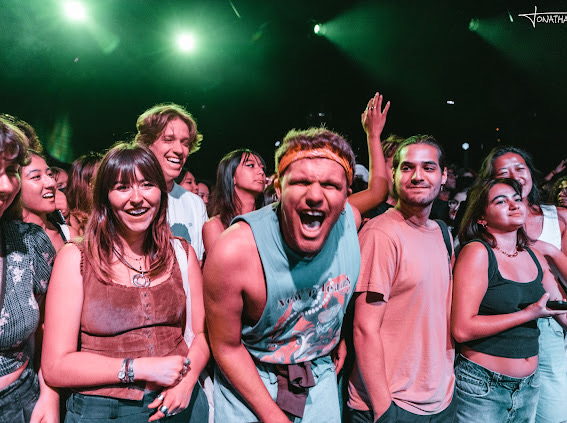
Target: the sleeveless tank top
pixel 504 296
pixel 127 321
pixel 306 296
pixel 551 231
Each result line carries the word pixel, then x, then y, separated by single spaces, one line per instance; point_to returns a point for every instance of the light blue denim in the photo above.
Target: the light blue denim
pixel 552 368
pixel 484 396
pixel 322 402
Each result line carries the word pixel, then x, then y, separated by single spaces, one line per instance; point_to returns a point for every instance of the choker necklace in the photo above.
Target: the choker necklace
pixel 514 254
pixel 140 279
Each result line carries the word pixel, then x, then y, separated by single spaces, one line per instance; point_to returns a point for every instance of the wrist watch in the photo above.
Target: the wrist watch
pixel 126 373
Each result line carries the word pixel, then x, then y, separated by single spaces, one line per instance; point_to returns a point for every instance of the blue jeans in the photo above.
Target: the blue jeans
pixel 484 396
pixel 17 400
pixel 552 404
pixel 322 402
pixel 93 408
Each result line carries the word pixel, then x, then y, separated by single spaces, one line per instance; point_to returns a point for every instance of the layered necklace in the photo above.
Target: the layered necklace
pixel 511 255
pixel 140 279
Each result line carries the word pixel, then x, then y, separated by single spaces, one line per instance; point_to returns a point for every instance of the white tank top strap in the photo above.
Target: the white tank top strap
pixel 551 231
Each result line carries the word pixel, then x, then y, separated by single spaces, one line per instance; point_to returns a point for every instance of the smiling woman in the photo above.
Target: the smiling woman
pixel 501 288
pixel 123 283
pixel 38 198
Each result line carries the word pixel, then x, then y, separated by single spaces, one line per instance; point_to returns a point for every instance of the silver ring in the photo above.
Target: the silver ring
pixel 160 396
pixel 164 410
pixel 187 362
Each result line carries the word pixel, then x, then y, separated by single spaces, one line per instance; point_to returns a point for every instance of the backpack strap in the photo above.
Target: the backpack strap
pixel 446 236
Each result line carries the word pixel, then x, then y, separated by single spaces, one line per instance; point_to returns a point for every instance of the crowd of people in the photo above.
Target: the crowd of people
pixel 411 291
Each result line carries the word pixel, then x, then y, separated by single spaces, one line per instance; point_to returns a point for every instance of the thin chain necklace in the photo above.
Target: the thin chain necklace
pixel 512 255
pixel 140 279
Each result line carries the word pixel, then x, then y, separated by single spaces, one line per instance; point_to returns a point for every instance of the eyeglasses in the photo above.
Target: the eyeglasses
pixel 454 203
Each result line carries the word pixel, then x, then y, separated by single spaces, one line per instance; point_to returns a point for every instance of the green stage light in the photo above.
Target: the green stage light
pixel 186 42
pixel 319 29
pixel 474 24
pixel 75 11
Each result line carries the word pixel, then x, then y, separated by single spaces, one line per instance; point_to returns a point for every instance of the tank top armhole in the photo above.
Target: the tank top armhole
pixel 492 263
pixel 536 261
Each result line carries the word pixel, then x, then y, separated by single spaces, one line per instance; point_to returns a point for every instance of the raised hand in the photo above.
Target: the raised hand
pixel 374 118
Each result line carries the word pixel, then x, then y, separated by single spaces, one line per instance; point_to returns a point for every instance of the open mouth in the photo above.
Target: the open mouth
pixel 48 195
pixel 174 160
pixel 137 212
pixel 312 220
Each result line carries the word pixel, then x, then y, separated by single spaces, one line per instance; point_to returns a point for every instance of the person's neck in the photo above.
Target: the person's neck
pixel 169 184
pixel 417 215
pixel 132 245
pixel 247 201
pixel 391 200
pixel 506 241
pixel 38 219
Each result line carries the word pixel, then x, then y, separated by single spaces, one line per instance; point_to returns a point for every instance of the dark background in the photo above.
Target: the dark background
pixel 259 70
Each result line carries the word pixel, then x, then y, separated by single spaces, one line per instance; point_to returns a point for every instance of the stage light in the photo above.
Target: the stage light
pixel 319 29
pixel 186 42
pixel 474 24
pixel 465 146
pixel 75 11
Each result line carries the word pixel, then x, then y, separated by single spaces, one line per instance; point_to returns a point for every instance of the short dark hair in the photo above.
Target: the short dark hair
pixel 477 202
pixel 487 170
pixel 153 121
pixel 420 139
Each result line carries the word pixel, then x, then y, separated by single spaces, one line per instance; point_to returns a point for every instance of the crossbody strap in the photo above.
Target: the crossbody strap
pixel 183 263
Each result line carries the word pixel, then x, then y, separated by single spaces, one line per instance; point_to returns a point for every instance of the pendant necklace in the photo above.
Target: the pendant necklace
pixel 514 254
pixel 140 279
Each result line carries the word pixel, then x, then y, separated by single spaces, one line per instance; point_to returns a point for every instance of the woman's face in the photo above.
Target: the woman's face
pixel 135 205
pixel 249 175
pixel 562 194
pixel 38 187
pixel 455 203
pixel 512 165
pixel 189 184
pixel 61 181
pixel 9 182
pixel 505 211
pixel 203 192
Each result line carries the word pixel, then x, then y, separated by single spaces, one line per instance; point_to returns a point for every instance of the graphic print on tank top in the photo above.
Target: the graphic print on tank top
pixel 310 322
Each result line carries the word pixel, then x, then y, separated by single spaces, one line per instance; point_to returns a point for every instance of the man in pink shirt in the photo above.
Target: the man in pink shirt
pixel 404 350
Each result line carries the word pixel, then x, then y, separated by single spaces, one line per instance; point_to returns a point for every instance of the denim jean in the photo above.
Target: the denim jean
pixel 484 396
pixel 395 414
pixel 322 402
pixel 92 408
pixel 552 368
pixel 18 399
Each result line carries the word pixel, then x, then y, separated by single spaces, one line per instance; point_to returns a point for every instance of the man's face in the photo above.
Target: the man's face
pixel 419 177
pixel 313 193
pixel 172 149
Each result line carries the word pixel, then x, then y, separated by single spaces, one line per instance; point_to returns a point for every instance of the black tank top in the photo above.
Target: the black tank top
pixel 504 296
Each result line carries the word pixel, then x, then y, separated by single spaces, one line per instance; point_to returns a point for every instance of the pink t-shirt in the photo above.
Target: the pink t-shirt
pixel 409 266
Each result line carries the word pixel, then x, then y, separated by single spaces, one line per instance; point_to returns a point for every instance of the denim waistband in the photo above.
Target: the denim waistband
pixel 99 407
pixel 489 374
pixel 26 378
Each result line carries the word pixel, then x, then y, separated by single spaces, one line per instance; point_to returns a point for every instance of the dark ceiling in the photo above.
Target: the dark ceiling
pixel 259 70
